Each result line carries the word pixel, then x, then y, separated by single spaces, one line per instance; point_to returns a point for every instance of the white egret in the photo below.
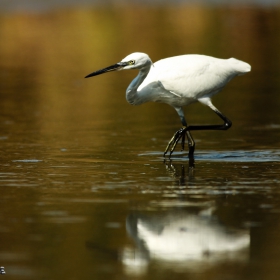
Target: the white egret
pixel 179 81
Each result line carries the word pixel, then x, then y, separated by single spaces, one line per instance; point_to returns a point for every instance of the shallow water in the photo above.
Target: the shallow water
pixel 85 191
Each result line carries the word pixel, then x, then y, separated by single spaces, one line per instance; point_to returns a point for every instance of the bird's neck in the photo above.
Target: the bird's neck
pixel 131 92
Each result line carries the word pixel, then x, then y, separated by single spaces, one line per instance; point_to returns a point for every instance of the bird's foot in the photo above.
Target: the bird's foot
pixel 179 134
pixel 191 160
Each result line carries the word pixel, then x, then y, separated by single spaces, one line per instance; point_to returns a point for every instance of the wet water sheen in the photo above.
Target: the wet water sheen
pixel 84 190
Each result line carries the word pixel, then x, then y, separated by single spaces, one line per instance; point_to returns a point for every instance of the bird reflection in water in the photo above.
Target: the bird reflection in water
pixel 178 172
pixel 182 239
pixel 185 238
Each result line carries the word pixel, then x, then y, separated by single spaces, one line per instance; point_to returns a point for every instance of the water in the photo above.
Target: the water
pixel 85 192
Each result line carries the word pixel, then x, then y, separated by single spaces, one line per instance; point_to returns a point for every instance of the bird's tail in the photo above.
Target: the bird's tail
pixel 239 66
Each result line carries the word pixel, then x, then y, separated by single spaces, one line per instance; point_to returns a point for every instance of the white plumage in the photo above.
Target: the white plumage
pixel 179 81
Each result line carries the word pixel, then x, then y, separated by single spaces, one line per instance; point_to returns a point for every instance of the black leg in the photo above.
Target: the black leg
pixel 226 125
pixel 185 130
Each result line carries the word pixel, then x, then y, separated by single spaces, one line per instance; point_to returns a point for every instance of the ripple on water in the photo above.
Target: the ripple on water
pixel 225 156
pixel 241 156
pixel 27 160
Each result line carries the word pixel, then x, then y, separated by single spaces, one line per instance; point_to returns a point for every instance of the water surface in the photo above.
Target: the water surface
pixel 85 191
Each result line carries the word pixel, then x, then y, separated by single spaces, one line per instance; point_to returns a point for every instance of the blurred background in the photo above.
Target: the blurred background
pixel 47 47
pixel 83 187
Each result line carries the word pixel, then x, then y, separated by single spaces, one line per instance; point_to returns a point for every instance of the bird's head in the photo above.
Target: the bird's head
pixel 133 61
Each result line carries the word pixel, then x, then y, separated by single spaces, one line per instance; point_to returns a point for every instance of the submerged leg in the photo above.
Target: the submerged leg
pixel 181 134
pixel 185 130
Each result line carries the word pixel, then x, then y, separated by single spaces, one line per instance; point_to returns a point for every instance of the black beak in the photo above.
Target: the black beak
pixel 115 67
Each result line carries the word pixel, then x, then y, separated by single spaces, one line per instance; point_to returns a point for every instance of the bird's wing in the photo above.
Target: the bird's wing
pixel 191 76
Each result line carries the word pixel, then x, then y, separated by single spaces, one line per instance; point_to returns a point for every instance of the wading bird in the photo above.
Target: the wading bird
pixel 179 81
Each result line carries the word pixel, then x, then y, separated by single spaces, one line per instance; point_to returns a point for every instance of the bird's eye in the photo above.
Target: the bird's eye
pixel 131 62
